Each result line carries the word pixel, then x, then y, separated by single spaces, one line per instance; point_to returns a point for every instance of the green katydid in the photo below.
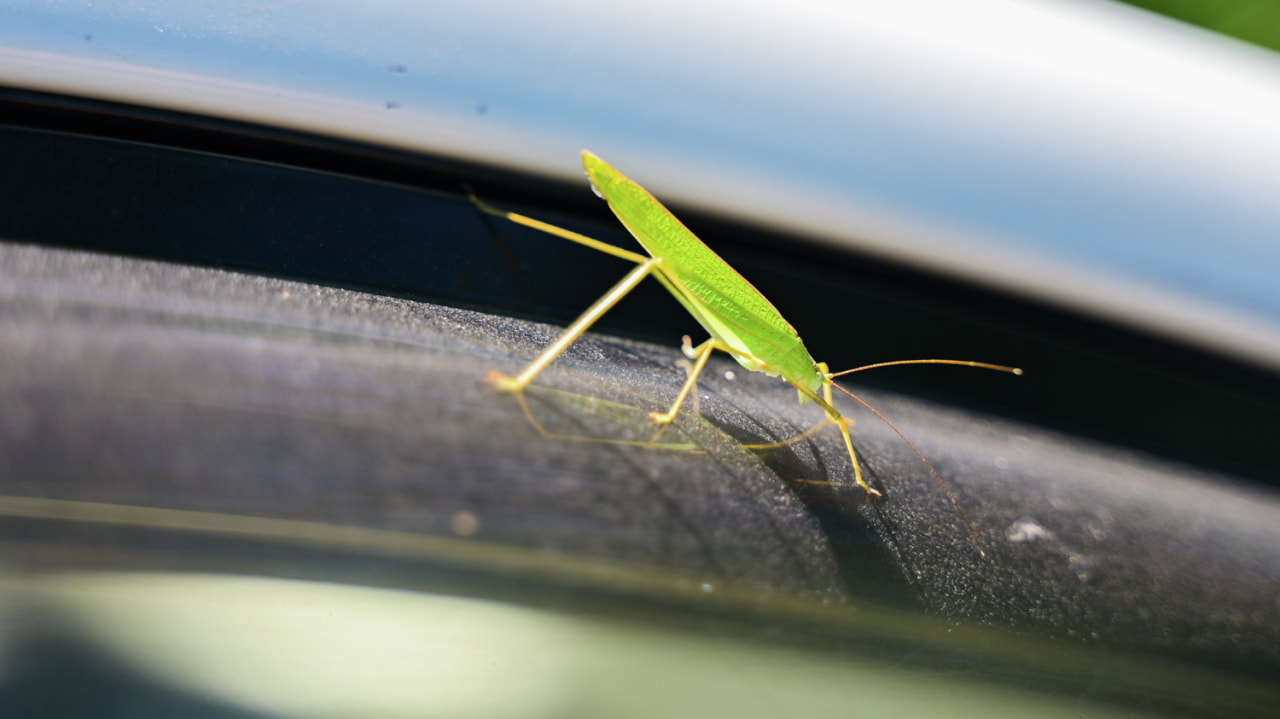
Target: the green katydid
pixel 740 320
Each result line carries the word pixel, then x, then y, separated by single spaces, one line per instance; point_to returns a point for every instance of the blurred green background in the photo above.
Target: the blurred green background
pixel 1255 21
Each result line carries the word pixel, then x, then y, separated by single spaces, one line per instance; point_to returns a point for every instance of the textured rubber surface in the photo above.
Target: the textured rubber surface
pixel 166 403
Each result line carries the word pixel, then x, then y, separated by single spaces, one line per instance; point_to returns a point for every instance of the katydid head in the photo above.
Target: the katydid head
pixel 809 384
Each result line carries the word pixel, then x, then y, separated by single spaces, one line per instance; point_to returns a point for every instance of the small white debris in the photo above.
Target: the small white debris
pixel 464 524
pixel 1027 530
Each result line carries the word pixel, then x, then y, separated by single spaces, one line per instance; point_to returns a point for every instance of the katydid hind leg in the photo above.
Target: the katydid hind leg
pixel 644 267
pixel 555 231
pixel 574 331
